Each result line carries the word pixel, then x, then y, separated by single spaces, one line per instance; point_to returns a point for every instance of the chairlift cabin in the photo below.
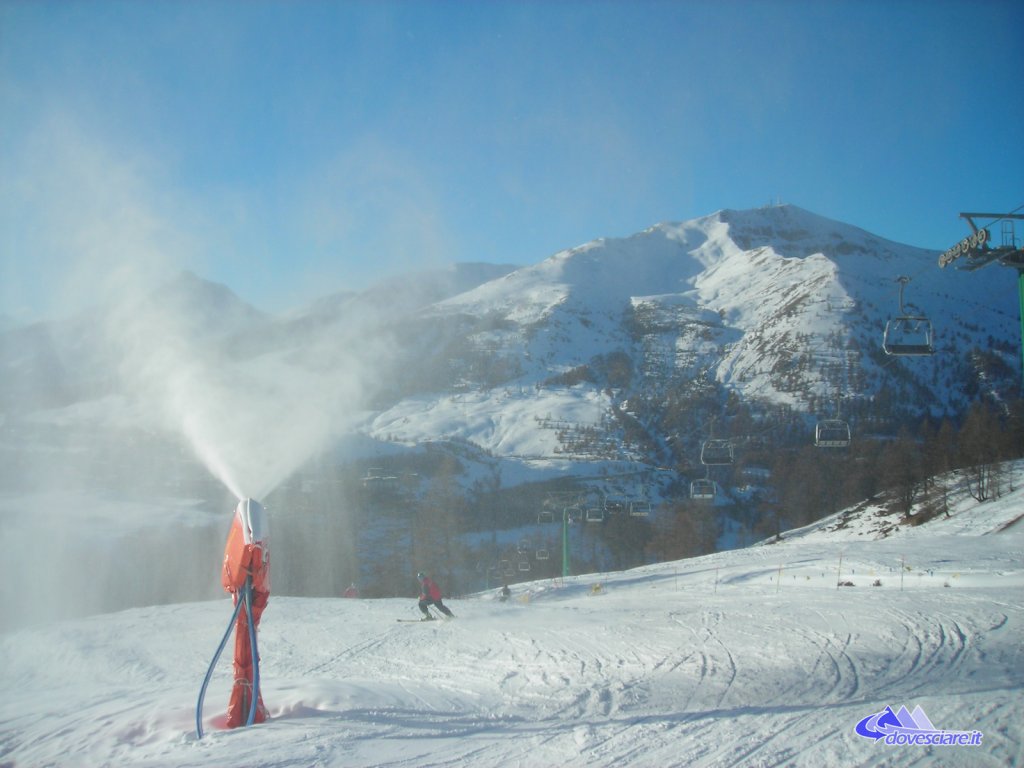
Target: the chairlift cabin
pixel 639 509
pixel 716 452
pixel 832 433
pixel 908 336
pixel 615 506
pixel 524 566
pixel 910 333
pixel 542 554
pixel 702 490
pixel 545 516
pixel 594 515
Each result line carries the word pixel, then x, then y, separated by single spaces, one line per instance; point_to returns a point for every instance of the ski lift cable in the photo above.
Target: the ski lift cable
pixel 891 362
pixel 812 351
pixel 1005 216
pixel 995 219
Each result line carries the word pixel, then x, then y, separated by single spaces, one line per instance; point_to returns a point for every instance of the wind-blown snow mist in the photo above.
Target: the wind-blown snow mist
pixel 188 375
pixel 185 382
pixel 160 404
pixel 252 419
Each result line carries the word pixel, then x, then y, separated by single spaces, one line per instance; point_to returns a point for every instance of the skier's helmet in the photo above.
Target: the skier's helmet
pixel 421 576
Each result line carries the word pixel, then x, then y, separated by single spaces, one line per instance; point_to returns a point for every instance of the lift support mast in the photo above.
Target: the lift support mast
pixel 977 253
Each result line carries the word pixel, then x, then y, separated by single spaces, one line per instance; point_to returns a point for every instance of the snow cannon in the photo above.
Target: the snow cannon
pixel 246 575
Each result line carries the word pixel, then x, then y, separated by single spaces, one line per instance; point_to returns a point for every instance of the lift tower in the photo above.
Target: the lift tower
pixel 977 251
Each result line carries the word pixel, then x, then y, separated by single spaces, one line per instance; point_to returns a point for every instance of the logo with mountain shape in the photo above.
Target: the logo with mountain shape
pixel 904 727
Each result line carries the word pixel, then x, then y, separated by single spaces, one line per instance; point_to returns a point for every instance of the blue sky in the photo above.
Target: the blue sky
pixel 295 149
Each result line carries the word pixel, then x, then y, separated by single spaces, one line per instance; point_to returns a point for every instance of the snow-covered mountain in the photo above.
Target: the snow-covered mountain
pixel 773 307
pixel 581 356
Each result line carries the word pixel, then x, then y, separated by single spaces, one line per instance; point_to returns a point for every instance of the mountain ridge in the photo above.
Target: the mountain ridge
pixel 698 268
pixel 641 342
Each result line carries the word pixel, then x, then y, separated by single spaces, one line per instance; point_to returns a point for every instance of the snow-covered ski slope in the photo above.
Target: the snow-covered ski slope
pixel 704 662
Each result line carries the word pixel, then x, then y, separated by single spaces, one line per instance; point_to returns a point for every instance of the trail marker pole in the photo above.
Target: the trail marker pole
pixel 565 542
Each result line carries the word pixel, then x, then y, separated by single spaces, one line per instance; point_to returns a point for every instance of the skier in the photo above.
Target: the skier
pixel 506 593
pixel 430 594
pixel 352 591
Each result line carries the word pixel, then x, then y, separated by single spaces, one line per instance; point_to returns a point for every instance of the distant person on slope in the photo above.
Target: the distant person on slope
pixel 430 594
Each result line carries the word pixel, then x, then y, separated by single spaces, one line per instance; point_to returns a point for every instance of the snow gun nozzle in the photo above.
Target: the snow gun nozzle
pixel 253 517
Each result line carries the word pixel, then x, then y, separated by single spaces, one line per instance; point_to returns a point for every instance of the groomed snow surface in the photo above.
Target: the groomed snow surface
pixel 752 657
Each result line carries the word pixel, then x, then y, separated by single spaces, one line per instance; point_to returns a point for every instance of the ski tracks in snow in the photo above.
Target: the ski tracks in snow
pixel 744 677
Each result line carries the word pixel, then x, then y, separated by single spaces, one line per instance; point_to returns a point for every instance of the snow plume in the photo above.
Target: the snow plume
pixel 181 371
pixel 156 365
pixel 251 419
pixel 122 229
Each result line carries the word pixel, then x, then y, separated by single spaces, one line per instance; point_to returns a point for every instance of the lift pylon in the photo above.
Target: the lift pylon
pixel 977 253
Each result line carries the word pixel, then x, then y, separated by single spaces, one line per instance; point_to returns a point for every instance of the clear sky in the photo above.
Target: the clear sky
pixel 295 149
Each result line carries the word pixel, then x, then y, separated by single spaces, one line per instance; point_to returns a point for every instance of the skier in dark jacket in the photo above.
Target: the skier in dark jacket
pixel 430 594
